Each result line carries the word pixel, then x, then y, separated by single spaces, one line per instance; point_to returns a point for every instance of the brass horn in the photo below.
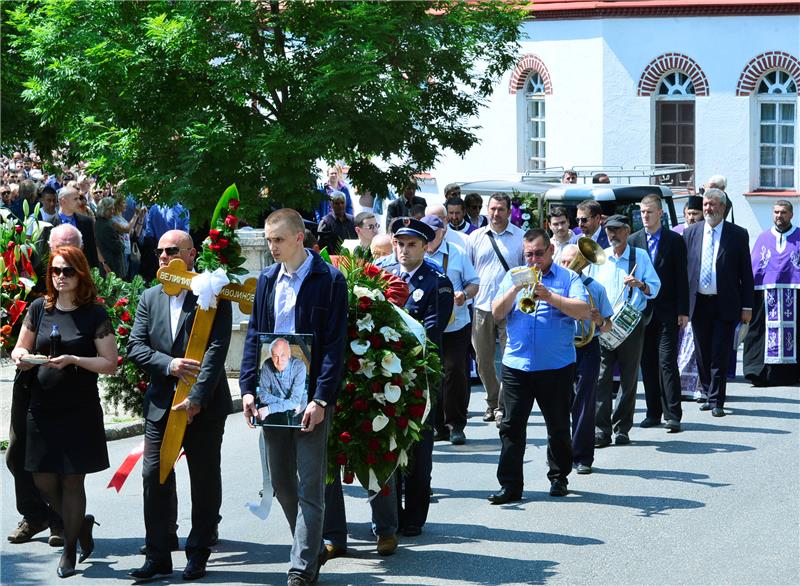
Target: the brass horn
pixel 589 252
pixel 529 277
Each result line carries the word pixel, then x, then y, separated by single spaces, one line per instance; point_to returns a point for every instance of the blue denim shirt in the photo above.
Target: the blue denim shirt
pixel 543 340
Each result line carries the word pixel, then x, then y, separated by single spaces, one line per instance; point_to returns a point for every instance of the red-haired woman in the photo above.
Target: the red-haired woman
pixel 66 437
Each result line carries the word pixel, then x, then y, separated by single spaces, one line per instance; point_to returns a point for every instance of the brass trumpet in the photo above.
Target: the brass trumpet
pixel 589 252
pixel 529 277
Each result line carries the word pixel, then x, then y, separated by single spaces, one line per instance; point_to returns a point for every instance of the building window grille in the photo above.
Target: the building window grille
pixel 777 118
pixel 534 123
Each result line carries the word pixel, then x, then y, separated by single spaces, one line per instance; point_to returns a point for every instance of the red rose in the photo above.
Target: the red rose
pixel 231 221
pixel 352 333
pixel 366 426
pixel 402 422
pixel 123 331
pixel 389 411
pixel 418 393
pixel 223 242
pixel 360 405
pixel 350 387
pixel 348 478
pixel 141 385
pixel 371 459
pixel 398 345
pixel 18 228
pixel 397 380
pixel 233 204
pixel 416 411
pixel 214 234
pixel 390 457
pixel 11 245
pixel 386 490
pixel 121 301
pixel 125 316
pixel 345 437
pixel 373 444
pixel 214 247
pixel 364 303
pixel 99 299
pixel 375 341
pixel 338 408
pixel 377 387
pixel 223 259
pixel 341 459
pixel 371 270
pixel 353 363
pixel 119 360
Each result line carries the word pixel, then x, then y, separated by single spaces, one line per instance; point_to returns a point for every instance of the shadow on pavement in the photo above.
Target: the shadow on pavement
pixel 711 427
pixel 760 399
pixel 647 506
pixel 683 447
pixel 763 413
pixel 672 475
pixel 25 567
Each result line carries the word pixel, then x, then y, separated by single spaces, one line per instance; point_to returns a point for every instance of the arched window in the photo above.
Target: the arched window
pixel 676 84
pixel 776 98
pixel 674 113
pixel 534 122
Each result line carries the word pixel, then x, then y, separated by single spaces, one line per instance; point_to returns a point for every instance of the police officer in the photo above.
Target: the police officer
pixel 430 302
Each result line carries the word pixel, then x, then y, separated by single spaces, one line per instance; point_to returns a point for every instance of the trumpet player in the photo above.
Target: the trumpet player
pixel 587 360
pixel 538 362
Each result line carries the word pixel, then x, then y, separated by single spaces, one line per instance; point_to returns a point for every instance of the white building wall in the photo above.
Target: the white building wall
pixel 595 116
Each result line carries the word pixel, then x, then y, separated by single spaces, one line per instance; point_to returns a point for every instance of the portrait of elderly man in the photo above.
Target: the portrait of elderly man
pixel 282 386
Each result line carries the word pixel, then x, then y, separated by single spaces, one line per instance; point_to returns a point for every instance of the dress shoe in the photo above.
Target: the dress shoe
pixel 583 469
pixel 488 416
pixel 66 566
pixel 673 426
pixel 441 435
pixel 498 417
pixel 558 488
pixel 705 407
pixel 718 412
pixel 412 531
pixel 650 422
pixel 334 551
pixel 172 542
pixel 387 545
pixel 622 439
pixel 152 570
pixel 195 568
pixel 295 580
pixel 85 538
pixel 505 495
pixel 601 441
pixel 56 538
pixel 26 530
pixel 457 438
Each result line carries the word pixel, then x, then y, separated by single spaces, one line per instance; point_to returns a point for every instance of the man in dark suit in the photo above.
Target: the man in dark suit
pixel 68 200
pixel 667 312
pixel 589 216
pixel 158 343
pixel 401 207
pixel 720 293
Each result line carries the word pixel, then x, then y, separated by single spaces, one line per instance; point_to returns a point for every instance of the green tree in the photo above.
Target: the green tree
pixel 183 98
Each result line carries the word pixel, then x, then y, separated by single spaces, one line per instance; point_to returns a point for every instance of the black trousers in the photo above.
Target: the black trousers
pixel 201 444
pixel 415 486
pixel 713 341
pixel 30 503
pixel 552 389
pixel 452 410
pixel 662 381
pixel 584 402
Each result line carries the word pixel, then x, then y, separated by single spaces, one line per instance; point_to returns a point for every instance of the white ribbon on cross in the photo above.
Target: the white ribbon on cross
pixel 207 286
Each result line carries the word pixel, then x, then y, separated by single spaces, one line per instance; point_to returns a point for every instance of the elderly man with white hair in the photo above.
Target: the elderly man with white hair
pixel 65 235
pixel 451 236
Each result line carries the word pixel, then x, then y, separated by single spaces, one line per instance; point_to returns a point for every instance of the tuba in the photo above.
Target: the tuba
pixel 529 277
pixel 589 252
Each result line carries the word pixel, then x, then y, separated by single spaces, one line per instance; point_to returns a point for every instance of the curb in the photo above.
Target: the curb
pixel 117 431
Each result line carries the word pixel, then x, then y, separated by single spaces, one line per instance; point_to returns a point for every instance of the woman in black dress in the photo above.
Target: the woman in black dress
pixel 66 437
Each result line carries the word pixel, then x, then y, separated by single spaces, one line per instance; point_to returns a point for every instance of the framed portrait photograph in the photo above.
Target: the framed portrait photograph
pixel 282 391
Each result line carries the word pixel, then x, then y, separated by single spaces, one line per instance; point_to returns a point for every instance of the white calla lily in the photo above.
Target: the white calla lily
pixel 391 392
pixel 389 334
pixel 379 422
pixel 391 364
pixel 360 292
pixel 380 398
pixel 359 347
pixel 365 323
pixel 366 367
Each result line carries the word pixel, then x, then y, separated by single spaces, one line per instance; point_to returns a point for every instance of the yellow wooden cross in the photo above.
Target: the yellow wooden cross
pixel 175 278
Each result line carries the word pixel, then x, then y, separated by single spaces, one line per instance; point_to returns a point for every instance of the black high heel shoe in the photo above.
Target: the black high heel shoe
pixel 66 566
pixel 85 538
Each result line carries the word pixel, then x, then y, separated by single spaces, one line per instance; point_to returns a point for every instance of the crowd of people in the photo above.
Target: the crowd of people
pixel 574 333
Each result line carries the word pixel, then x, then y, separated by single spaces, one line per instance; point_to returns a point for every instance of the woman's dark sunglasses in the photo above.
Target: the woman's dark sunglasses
pixel 68 272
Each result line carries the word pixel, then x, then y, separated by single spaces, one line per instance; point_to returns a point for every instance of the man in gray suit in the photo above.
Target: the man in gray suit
pixel 158 343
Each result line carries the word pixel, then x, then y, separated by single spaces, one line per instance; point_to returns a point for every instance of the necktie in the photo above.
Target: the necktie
pixel 708 258
pixel 651 245
pixel 404 275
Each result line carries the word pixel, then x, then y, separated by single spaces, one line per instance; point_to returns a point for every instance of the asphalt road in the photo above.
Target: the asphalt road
pixel 716 504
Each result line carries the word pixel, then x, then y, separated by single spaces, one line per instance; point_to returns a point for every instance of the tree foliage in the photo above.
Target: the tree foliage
pixel 183 98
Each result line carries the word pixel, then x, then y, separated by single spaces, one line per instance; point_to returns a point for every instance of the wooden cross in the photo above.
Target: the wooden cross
pixel 176 278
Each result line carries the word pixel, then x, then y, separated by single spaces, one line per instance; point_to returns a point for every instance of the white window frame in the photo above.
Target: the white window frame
pixel 778 94
pixel 533 131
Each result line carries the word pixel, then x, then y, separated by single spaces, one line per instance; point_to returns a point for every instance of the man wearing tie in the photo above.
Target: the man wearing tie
pixel 720 293
pixel 668 311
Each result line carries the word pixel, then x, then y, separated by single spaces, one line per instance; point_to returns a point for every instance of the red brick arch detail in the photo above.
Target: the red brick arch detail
pixel 764 63
pixel 523 69
pixel 667 63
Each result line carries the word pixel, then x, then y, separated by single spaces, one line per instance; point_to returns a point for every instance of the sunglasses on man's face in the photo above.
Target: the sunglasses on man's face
pixel 68 272
pixel 170 250
pixel 584 220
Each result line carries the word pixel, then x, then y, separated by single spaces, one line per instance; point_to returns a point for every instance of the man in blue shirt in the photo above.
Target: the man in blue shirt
pixel 282 386
pixel 628 276
pixel 538 364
